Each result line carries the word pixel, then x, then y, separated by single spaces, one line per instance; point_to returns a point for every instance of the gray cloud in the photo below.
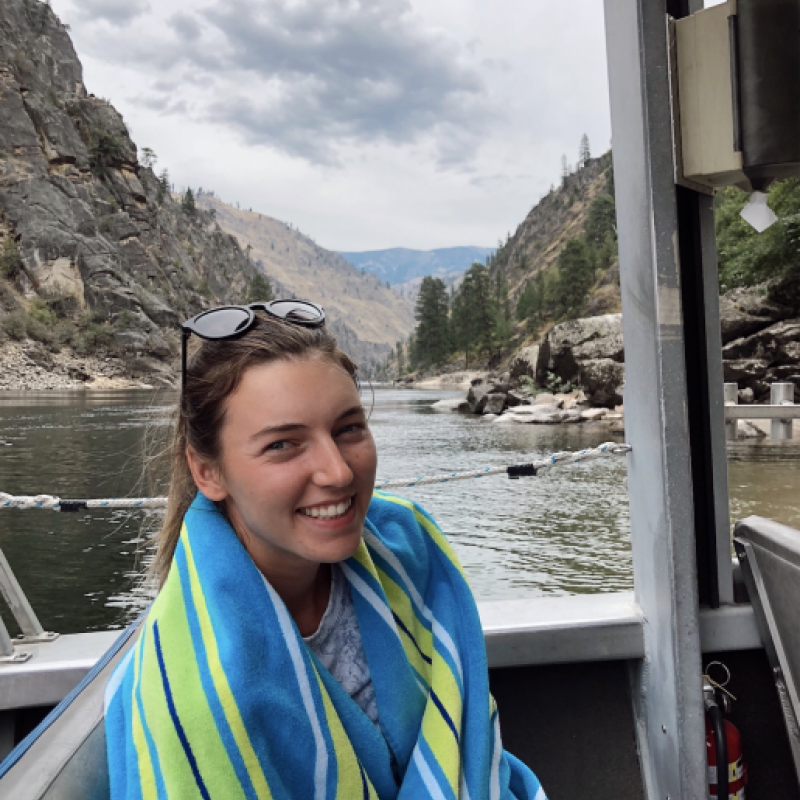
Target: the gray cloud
pixel 116 12
pixel 186 26
pixel 310 77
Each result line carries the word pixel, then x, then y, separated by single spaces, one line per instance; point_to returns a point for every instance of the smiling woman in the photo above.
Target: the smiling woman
pixel 302 619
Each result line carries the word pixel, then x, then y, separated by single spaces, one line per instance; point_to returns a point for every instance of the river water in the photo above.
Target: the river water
pixel 561 533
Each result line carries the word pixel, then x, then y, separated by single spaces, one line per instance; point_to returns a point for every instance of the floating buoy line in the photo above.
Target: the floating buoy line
pixel 513 471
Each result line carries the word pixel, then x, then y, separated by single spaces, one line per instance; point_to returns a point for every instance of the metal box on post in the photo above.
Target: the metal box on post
pixel 738 87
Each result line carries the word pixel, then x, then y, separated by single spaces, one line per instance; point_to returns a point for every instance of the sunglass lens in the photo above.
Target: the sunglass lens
pixel 220 323
pixel 296 311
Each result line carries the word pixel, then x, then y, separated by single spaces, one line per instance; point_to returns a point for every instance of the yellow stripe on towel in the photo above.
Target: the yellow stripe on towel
pixel 147 778
pixel 226 698
pixel 189 699
pixel 349 784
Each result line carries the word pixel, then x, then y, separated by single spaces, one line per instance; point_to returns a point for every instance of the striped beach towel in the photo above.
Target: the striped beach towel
pixel 221 699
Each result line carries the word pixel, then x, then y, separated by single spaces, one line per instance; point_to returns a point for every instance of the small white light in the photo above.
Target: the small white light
pixel 758 213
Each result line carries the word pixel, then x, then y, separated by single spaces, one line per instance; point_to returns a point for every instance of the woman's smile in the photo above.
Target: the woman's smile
pixel 330 511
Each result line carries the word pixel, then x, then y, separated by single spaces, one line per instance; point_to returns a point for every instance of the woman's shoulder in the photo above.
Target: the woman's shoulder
pixel 387 511
pixel 408 530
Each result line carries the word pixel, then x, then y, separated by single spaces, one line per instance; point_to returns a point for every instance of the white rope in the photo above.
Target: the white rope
pixel 536 467
pixel 52 503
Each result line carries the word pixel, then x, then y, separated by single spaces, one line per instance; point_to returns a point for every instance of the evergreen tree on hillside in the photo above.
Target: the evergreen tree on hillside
pixel 565 170
pixel 530 305
pixel 401 360
pixel 501 292
pixel 601 220
pixel 584 152
pixel 575 277
pixel 188 205
pixel 474 312
pixel 260 290
pixel 432 334
pixel 413 361
pixel 163 186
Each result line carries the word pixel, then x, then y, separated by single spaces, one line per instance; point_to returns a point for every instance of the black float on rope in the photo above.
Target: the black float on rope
pixel 517 471
pixel 66 506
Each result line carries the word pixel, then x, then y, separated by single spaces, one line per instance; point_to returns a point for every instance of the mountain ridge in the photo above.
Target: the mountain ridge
pixel 400 265
pixel 97 257
pixel 367 317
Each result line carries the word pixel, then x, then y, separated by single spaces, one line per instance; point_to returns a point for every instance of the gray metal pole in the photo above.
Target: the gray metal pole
pixel 667 685
pixel 731 395
pixel 716 401
pixel 6 645
pixel 781 394
pixel 20 607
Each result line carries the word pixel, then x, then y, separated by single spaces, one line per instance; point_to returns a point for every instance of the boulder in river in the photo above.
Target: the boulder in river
pixel 524 362
pixel 494 403
pixel 769 355
pixel 746 310
pixel 602 380
pixel 583 351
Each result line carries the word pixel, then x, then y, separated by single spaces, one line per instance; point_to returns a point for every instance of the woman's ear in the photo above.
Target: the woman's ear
pixel 206 476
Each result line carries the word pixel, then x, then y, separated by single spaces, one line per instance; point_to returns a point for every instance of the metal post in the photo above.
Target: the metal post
pixel 781 394
pixel 731 393
pixel 20 607
pixel 667 686
pixel 714 528
pixel 6 645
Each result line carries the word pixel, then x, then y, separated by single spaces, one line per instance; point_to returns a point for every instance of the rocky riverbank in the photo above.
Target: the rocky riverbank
pixel 501 399
pixel 28 366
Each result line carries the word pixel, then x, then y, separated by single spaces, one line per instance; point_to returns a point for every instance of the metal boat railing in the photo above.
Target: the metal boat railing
pixel 782 410
pixel 32 630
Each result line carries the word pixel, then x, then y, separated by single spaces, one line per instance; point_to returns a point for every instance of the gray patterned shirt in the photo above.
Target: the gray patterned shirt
pixel 337 644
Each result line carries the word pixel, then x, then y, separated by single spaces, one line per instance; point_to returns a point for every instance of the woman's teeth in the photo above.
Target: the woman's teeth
pixel 328 512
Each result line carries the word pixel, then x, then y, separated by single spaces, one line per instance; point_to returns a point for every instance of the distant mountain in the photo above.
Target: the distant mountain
pixel 401 265
pixel 367 317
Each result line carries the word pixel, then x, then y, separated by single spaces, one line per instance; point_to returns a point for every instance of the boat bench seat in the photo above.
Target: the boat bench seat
pixel 769 554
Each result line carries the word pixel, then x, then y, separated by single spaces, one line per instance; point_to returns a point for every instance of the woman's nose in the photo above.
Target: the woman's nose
pixel 331 467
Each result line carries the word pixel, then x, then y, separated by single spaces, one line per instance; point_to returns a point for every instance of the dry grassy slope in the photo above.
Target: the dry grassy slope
pixel 294 262
pixel 559 216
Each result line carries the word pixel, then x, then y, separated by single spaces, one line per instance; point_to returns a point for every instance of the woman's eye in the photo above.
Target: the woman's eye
pixel 275 447
pixel 355 427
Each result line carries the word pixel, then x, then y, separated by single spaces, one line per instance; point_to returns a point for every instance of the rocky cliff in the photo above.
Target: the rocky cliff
pixel 760 338
pixel 367 317
pixel 561 215
pixel 95 253
pixel 98 261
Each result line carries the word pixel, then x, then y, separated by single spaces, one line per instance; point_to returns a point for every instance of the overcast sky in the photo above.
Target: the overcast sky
pixel 365 123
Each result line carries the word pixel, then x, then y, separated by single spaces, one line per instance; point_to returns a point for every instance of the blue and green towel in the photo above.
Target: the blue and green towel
pixel 221 699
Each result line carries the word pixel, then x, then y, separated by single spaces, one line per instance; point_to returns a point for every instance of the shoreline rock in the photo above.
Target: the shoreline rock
pixel 29 367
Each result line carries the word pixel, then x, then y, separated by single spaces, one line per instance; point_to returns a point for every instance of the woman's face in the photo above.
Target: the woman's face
pixel 297 464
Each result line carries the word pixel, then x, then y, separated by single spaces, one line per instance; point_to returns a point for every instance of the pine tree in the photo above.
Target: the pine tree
pixel 187 203
pixel 412 353
pixel 260 290
pixel 501 292
pixel 524 308
pixel 401 360
pixel 584 153
pixel 474 312
pixel 432 335
pixel 163 186
pixel 575 276
pixel 565 170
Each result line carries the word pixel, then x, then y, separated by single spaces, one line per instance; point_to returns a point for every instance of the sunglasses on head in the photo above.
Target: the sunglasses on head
pixel 229 322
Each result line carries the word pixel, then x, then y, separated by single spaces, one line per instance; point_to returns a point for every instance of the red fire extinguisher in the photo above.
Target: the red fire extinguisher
pixel 723 745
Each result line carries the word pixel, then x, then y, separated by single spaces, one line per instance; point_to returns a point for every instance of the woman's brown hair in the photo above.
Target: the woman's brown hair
pixel 213 374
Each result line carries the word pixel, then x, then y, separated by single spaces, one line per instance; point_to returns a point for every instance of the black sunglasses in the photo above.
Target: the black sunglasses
pixel 229 322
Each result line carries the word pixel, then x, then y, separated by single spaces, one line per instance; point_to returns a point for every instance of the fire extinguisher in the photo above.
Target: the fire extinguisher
pixel 723 743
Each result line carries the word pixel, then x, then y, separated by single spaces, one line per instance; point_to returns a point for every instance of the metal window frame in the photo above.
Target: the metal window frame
pixel 677 475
